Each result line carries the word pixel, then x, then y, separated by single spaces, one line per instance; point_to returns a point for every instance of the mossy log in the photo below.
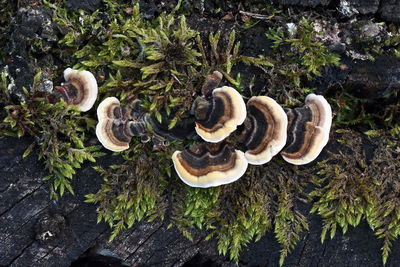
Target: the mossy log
pixel 38 231
pixel 28 239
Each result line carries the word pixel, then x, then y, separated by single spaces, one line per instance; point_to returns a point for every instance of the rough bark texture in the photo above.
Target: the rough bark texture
pixel 389 10
pixel 308 3
pixel 27 239
pixel 365 6
pixel 375 80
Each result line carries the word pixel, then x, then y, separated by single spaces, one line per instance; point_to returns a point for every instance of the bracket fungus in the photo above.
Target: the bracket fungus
pixel 207 165
pixel 219 115
pixel 265 129
pixel 118 124
pixel 80 88
pixel 308 130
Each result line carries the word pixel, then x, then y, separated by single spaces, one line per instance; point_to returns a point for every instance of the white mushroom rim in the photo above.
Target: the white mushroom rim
pixel 214 178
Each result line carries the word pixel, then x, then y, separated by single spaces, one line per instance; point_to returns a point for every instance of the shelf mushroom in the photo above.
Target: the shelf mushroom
pixel 118 124
pixel 265 129
pixel 219 115
pixel 308 130
pixel 207 165
pixel 80 89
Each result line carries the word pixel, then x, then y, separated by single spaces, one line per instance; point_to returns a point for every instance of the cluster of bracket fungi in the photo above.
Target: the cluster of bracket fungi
pixel 267 129
pixel 263 128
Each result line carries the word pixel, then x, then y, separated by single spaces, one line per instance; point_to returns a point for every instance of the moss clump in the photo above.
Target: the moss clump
pixel 299 55
pixel 196 207
pixel 132 190
pixel 58 129
pixel 358 112
pixel 161 61
pixel 164 63
pixel 264 199
pixel 341 201
pixel 353 188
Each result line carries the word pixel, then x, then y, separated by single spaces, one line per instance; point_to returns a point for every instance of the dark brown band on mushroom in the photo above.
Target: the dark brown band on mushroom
pixel 184 129
pixel 66 92
pixel 205 158
pixel 77 85
pixel 212 82
pixel 297 129
pixel 265 128
pixel 258 135
pixel 219 111
pixel 118 130
pixel 136 128
pixel 200 108
pixel 308 141
pixel 115 133
pixel 136 110
pixel 116 111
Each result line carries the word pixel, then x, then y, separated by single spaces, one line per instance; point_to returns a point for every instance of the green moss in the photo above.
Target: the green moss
pixel 195 207
pixel 301 55
pixel 164 63
pixel 132 190
pixel 265 199
pixel 161 61
pixel 58 129
pixel 386 42
pixel 353 188
pixel 353 111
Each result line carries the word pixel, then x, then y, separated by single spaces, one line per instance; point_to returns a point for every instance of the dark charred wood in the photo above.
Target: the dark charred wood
pixel 305 3
pixel 374 80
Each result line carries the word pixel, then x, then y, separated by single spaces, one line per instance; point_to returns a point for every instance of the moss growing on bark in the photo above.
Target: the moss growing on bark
pixel 299 55
pixel 133 190
pixel 58 130
pixel 355 187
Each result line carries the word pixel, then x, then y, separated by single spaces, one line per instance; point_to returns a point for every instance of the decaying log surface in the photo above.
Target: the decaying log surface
pixel 27 215
pixel 25 208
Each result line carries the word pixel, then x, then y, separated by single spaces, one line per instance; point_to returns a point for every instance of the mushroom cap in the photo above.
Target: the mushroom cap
pixel 86 86
pixel 268 129
pixel 308 130
pixel 113 130
pixel 105 110
pixel 204 167
pixel 226 110
pixel 105 131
